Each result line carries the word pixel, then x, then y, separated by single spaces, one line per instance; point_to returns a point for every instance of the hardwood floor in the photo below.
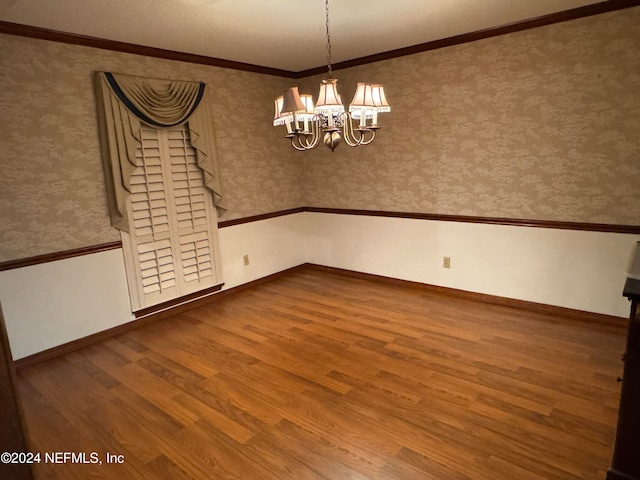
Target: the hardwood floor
pixel 317 375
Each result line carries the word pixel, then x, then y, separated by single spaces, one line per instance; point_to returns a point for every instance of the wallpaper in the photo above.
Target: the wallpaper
pixel 52 194
pixel 540 124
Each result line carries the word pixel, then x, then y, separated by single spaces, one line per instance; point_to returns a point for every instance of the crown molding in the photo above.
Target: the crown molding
pixel 88 41
pixel 104 44
pixel 558 17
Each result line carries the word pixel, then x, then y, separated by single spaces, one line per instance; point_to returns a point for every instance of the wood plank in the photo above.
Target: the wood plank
pixel 316 375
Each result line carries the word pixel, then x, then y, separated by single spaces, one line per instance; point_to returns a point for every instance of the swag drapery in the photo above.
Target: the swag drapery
pixel 124 103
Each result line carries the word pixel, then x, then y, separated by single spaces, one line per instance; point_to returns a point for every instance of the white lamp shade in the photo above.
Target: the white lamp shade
pixel 379 99
pixel 277 118
pixel 362 103
pixel 363 98
pixel 309 112
pixel 329 100
pixel 307 101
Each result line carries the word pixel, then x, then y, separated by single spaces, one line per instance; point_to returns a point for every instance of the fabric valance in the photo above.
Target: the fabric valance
pixel 124 102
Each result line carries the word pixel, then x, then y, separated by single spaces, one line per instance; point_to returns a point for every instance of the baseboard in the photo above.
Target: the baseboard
pixel 569 313
pixel 607 321
pixel 74 345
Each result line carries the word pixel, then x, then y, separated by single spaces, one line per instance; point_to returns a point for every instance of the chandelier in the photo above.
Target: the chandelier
pixel 328 119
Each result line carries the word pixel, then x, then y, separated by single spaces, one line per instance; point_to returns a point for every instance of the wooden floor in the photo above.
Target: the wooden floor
pixel 317 375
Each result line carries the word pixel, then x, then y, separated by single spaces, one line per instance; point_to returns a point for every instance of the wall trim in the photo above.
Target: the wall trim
pixel 173 311
pixel 558 17
pixel 262 216
pixel 516 222
pixel 52 257
pixel 104 44
pixel 597 320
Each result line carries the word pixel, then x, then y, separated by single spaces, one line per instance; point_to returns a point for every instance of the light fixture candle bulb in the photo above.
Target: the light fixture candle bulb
pixel 307 116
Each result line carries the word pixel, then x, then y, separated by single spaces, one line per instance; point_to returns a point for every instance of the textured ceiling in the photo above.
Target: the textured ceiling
pixel 283 34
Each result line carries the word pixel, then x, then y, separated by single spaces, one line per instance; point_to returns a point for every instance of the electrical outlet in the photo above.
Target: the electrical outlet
pixel 446 262
pixel 245 260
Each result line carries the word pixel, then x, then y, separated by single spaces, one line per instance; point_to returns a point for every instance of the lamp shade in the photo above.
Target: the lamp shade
pixel 278 118
pixel 309 112
pixel 292 103
pixel 363 98
pixel 329 100
pixel 379 99
pixel 362 103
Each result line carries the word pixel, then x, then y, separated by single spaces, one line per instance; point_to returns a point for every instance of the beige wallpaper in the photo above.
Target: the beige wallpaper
pixel 52 194
pixel 541 124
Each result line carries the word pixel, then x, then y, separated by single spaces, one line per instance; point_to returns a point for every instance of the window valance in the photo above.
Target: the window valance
pixel 124 102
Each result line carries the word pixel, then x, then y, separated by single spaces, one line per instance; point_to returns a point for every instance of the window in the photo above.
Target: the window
pixel 172 249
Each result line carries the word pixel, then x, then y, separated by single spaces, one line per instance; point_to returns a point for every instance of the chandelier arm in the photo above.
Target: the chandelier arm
pixel 315 131
pixel 347 129
pixel 293 144
pixel 301 142
pixel 298 144
pixel 367 142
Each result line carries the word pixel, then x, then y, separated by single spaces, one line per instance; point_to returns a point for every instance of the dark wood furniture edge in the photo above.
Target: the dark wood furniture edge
pixel 12 425
pixel 172 311
pixel 587 227
pixel 88 41
pixel 625 462
pixel 613 474
pixel 593 318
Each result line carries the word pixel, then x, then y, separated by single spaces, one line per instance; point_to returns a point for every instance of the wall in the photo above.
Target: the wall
pixel 54 303
pixel 539 124
pixel 57 302
pixel 565 268
pixel 52 194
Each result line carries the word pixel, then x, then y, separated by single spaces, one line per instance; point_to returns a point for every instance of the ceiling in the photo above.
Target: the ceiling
pixel 282 34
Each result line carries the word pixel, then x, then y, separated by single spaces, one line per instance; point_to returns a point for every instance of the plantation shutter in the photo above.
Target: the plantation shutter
pixel 125 104
pixel 171 248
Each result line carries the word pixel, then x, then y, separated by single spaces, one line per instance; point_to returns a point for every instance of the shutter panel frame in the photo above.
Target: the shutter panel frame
pixel 172 249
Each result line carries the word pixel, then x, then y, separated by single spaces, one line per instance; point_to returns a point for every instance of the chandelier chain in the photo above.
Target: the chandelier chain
pixel 326 10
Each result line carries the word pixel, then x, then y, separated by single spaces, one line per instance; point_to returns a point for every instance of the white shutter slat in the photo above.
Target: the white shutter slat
pixel 151 289
pixel 149 272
